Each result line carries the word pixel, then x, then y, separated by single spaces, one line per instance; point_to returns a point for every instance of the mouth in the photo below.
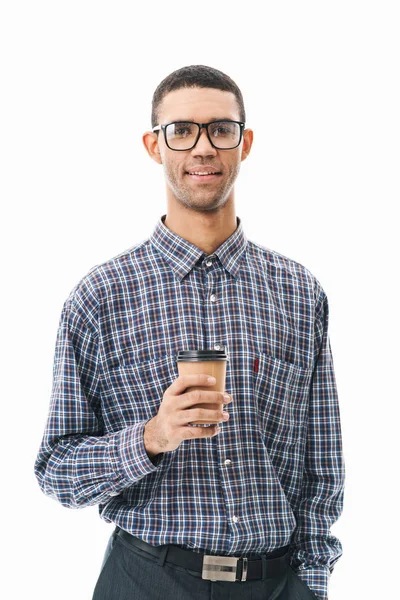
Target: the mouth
pixel 203 174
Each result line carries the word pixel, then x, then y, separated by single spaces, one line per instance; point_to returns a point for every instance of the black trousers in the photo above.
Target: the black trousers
pixel 129 573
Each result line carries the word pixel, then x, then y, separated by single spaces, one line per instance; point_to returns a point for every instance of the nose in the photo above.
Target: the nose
pixel 203 146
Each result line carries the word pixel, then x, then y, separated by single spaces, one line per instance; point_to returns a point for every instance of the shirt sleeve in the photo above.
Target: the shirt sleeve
pixel 315 550
pixel 77 464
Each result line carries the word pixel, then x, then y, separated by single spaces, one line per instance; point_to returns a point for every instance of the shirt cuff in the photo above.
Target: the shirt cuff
pixel 317 579
pixel 134 462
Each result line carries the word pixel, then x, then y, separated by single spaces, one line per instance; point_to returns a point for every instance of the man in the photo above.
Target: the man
pixel 239 509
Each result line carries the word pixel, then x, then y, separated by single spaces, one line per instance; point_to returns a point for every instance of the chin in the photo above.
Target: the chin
pixel 202 204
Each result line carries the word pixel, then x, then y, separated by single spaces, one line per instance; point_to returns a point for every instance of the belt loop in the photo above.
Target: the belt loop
pixel 264 566
pixel 163 555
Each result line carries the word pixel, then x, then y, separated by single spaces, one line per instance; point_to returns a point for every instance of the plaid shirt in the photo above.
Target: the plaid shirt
pixel 274 475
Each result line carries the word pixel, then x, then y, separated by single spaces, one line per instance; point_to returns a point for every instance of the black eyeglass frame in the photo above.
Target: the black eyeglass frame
pixel 200 126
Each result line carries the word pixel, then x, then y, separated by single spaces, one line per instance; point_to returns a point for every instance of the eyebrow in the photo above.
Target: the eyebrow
pixel 191 120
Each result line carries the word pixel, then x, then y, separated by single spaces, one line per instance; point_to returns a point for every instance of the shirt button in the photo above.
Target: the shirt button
pixel 235 519
pixel 228 462
pixel 217 346
pixel 213 297
pixel 209 263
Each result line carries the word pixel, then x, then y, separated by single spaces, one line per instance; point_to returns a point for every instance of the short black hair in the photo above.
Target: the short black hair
pixel 195 76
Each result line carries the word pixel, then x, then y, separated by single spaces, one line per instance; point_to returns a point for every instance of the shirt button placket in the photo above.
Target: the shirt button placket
pixel 226 463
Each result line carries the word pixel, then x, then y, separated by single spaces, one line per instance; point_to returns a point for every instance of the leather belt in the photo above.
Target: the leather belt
pixel 214 568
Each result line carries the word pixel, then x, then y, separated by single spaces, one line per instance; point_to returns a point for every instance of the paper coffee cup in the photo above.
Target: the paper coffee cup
pixel 208 362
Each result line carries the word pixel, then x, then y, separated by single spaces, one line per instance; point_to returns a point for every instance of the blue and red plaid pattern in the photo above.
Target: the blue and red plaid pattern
pixel 274 475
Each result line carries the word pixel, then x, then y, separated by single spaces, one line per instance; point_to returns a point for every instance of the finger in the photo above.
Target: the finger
pixel 200 432
pixel 184 381
pixel 203 415
pixel 195 396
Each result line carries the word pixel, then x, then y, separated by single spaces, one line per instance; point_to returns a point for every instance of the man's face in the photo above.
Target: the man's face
pixel 185 171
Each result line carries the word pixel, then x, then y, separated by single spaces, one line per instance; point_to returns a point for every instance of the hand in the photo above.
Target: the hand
pixel 181 406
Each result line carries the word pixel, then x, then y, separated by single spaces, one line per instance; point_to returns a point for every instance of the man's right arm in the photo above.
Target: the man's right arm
pixel 77 464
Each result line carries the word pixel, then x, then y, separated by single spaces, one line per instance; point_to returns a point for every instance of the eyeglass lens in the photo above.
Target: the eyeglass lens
pixel 182 136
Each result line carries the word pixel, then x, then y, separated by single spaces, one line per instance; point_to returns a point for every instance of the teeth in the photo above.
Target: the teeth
pixel 199 173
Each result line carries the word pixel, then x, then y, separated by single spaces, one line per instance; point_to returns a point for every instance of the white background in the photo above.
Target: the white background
pixel 321 86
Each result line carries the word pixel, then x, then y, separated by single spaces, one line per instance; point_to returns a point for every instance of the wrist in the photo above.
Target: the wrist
pixel 151 446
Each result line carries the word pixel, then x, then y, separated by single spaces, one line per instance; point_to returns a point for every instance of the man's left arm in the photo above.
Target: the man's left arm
pixel 315 550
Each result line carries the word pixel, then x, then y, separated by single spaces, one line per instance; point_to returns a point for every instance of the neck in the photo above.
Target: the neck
pixel 205 230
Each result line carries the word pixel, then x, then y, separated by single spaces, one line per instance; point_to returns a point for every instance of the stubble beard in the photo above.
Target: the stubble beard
pixel 208 199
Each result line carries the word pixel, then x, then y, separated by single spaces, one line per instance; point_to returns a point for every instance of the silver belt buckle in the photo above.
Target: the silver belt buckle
pixel 222 568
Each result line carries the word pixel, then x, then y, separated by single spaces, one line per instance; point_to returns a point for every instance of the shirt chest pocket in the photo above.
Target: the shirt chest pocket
pixel 135 390
pixel 281 392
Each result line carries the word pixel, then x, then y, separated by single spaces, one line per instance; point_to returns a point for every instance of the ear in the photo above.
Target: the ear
pixel 150 141
pixel 247 143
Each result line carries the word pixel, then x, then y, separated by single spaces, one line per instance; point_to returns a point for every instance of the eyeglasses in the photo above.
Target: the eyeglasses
pixel 184 135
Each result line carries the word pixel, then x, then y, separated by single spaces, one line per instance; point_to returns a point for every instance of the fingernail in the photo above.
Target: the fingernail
pixel 227 397
pixel 225 416
pixel 211 380
pixel 217 429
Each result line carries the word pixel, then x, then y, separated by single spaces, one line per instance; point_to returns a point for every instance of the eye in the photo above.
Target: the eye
pixel 181 130
pixel 223 129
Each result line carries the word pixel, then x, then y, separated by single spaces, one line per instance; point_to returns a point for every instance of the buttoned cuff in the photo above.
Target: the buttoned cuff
pixel 134 462
pixel 317 579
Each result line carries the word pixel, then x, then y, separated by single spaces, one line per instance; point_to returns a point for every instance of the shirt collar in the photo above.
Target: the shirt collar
pixel 182 256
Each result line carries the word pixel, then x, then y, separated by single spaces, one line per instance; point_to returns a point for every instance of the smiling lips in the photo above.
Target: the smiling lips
pixel 203 174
